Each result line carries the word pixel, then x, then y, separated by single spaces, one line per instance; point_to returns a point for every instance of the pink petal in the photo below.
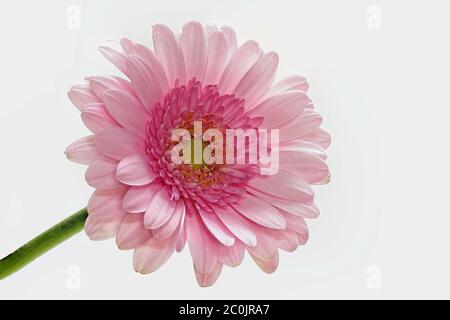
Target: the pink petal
pixel 304 147
pixel 160 210
pixel 183 237
pixel 237 224
pixel 95 117
pixel 132 232
pixel 169 54
pixel 232 256
pixel 297 225
pixel 230 36
pixel 83 151
pixel 266 247
pixel 104 204
pixel 307 166
pixel 149 58
pixel 138 199
pixel 117 143
pixel 286 240
pixel 285 185
pixel 306 123
pixel 294 207
pixel 217 58
pixel 127 110
pixel 152 254
pixel 134 170
pixel 100 85
pixel 211 28
pixel 173 224
pixel 286 84
pixel 115 57
pixel 217 228
pixel 260 212
pixel 258 79
pixel 101 174
pixel 82 96
pixel 208 279
pixel 319 137
pixel 281 109
pixel 202 245
pixel 193 42
pixel 145 81
pixel 267 266
pixel 243 59
pixel 100 229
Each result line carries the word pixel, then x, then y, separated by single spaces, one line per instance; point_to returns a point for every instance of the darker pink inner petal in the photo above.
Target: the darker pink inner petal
pixel 204 185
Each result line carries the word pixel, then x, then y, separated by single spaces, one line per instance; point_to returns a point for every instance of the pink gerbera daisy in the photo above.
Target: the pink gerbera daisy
pixel 154 206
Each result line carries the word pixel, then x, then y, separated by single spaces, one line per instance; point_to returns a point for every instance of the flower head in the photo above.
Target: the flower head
pixel 202 84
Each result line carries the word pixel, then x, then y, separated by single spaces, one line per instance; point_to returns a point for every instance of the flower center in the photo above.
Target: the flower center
pixel 197 178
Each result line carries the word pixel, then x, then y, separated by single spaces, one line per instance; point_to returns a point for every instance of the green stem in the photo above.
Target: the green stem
pixel 43 243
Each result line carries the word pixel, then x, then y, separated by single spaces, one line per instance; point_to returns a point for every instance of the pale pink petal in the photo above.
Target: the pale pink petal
pixel 217 228
pixel 169 53
pixel 95 117
pixel 243 59
pixel 127 110
pixel 104 204
pixel 304 147
pixel 146 55
pixel 211 28
pixel 267 266
pixel 230 36
pixel 319 137
pixel 208 279
pixel 232 256
pixel 294 207
pixel 309 167
pixel 134 170
pixel 82 96
pixel 83 151
pixel 258 79
pixel 152 254
pixel 100 229
pixel 115 57
pixel 138 199
pixel 132 232
pixel 101 84
pixel 260 212
pixel 217 58
pixel 301 126
pixel 286 84
pixel 299 226
pixel 194 43
pixel 173 224
pixel 286 240
pixel 237 224
pixel 160 210
pixel 144 79
pixel 117 143
pixel 203 247
pixel 281 109
pixel 101 174
pixel 266 247
pixel 183 236
pixel 285 185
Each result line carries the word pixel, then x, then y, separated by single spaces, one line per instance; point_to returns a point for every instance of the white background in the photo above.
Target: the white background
pixel 384 94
